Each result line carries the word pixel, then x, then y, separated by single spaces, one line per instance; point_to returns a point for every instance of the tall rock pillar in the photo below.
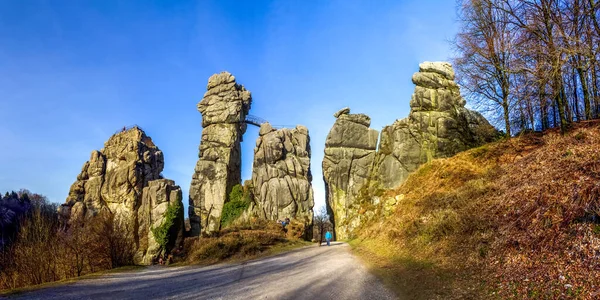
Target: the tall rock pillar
pixel 224 109
pixel 347 166
pixel 281 175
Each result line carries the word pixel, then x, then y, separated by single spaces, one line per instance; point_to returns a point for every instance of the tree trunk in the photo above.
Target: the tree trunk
pixel 595 92
pixel 560 103
pixel 543 110
pixel 586 96
pixel 506 115
pixel 554 113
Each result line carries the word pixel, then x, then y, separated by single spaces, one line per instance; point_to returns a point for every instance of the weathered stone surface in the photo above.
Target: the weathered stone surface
pixel 156 198
pixel 347 167
pixel 281 175
pixel 443 68
pixel 438 125
pixel 352 131
pixel 343 111
pixel 124 179
pixel 224 109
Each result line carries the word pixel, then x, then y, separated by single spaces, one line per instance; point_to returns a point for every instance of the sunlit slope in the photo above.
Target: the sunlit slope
pixel 518 217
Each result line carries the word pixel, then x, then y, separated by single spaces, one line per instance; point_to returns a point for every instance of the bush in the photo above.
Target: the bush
pixel 161 233
pixel 235 242
pixel 239 201
pixel 43 253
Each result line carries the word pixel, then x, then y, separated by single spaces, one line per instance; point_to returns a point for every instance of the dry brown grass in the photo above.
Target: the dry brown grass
pixel 517 218
pixel 240 243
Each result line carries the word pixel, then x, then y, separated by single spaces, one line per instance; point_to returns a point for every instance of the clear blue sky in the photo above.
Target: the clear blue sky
pixel 74 72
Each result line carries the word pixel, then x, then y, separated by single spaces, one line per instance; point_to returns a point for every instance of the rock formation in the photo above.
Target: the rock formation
pixel 438 125
pixel 123 179
pixel 281 175
pixel 223 108
pixel 347 167
pixel 156 198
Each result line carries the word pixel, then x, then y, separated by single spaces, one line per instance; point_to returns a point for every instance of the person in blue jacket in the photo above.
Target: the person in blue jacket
pixel 328 237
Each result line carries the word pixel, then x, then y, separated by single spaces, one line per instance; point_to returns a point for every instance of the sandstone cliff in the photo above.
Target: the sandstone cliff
pixel 223 108
pixel 124 179
pixel 438 125
pixel 281 175
pixel 347 167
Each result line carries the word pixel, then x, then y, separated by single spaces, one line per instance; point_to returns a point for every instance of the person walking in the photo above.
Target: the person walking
pixel 284 224
pixel 328 237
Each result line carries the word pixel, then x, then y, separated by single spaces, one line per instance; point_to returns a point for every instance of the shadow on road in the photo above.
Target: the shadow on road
pixel 332 244
pixel 310 273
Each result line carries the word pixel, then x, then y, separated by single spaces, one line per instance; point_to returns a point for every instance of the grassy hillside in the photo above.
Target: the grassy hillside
pixel 516 218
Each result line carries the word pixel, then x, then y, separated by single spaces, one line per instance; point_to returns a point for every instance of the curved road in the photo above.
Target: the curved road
pixel 308 273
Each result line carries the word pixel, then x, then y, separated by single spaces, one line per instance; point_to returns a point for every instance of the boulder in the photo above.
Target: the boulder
pixel 347 167
pixel 124 179
pixel 343 111
pixel 281 176
pixel 443 68
pixel 224 108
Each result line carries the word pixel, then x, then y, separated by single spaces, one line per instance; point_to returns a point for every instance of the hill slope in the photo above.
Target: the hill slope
pixel 515 218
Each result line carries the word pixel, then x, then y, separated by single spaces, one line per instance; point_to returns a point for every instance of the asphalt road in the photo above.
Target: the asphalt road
pixel 308 273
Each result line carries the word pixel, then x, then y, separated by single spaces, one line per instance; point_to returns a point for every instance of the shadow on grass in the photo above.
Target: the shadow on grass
pixel 413 278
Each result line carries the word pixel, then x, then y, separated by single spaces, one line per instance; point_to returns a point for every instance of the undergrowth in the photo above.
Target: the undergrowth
pixel 161 233
pixel 517 218
pixel 238 242
pixel 239 201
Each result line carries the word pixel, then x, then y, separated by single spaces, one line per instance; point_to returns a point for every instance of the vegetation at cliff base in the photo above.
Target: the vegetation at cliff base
pixel 251 240
pixel 518 217
pixel 161 233
pixel 44 249
pixel 239 201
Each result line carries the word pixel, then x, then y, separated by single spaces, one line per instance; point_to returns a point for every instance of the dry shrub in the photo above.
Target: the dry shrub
pixel 234 242
pixel 35 256
pixel 43 253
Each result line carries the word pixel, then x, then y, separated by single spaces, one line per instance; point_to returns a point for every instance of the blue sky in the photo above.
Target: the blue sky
pixel 74 72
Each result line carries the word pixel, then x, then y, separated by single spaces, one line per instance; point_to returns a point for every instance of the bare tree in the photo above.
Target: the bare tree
pixel 117 238
pixel 532 63
pixel 321 223
pixel 486 63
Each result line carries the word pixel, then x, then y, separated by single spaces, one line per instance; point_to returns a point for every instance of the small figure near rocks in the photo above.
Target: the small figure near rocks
pixel 124 128
pixel 328 238
pixel 284 224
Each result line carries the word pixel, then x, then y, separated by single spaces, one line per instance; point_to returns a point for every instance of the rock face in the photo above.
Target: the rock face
pixel 124 179
pixel 347 167
pixel 156 198
pixel 281 175
pixel 223 108
pixel 438 125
